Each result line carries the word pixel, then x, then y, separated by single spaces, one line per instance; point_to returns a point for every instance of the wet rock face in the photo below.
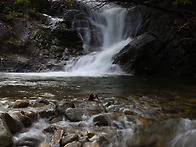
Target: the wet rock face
pixel 6 138
pixel 132 56
pixel 155 49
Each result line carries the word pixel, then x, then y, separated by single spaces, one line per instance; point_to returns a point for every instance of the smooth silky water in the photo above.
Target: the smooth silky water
pixel 163 109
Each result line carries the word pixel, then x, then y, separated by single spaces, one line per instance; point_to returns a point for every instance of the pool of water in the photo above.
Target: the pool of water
pixel 177 92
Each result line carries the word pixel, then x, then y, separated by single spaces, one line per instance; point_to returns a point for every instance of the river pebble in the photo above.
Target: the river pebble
pixel 74 144
pixel 69 138
pixel 61 108
pixel 75 114
pixel 113 108
pixel 21 104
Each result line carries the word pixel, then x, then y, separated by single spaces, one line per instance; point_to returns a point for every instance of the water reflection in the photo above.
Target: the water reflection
pixel 174 92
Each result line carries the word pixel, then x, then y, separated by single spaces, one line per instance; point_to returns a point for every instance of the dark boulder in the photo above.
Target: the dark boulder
pixel 13 125
pixel 100 120
pixel 75 114
pixel 61 108
pixel 155 49
pixel 6 138
pixel 30 142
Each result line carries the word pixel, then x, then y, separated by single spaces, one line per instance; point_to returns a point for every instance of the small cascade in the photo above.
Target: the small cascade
pixel 104 34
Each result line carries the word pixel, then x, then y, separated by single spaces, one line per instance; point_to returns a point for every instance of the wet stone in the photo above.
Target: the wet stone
pixel 21 104
pixel 95 109
pixel 89 133
pixel 6 137
pixel 113 108
pixel 91 144
pixel 12 124
pixel 69 138
pixel 28 142
pixel 118 125
pixel 47 113
pixel 74 114
pixel 37 104
pixel 26 121
pixel 99 140
pixel 129 112
pixel 42 100
pixel 31 114
pixel 56 119
pixel 103 140
pixel 61 108
pixel 50 129
pixel 57 137
pixel 107 104
pixel 74 144
pixel 100 120
pixel 44 145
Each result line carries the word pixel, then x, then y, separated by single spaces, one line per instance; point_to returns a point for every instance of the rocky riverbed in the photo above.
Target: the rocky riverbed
pixel 107 121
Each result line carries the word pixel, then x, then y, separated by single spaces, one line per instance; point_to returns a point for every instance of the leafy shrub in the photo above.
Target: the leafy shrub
pixel 185 28
pixel 9 17
pixel 22 5
pixel 14 42
pixel 184 2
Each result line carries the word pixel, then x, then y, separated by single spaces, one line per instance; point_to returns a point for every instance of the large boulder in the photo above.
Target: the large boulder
pixel 100 120
pixel 6 137
pixel 75 114
pixel 155 48
pixel 13 125
pixel 21 104
pixel 61 108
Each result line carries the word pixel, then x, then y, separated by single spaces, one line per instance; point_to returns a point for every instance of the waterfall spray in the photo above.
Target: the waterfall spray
pixel 110 30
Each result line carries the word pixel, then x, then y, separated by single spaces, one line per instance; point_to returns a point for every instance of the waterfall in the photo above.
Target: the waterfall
pixel 103 38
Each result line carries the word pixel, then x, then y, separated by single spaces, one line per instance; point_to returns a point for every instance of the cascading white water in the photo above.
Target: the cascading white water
pixel 111 32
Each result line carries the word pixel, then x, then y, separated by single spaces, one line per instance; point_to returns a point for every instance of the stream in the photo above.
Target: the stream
pixel 140 111
pixel 93 103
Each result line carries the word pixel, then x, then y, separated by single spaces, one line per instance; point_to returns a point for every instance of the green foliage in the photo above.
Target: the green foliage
pixel 186 30
pixel 34 15
pixel 9 17
pixel 41 6
pixel 22 5
pixel 184 2
pixel 14 42
pixel 70 2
